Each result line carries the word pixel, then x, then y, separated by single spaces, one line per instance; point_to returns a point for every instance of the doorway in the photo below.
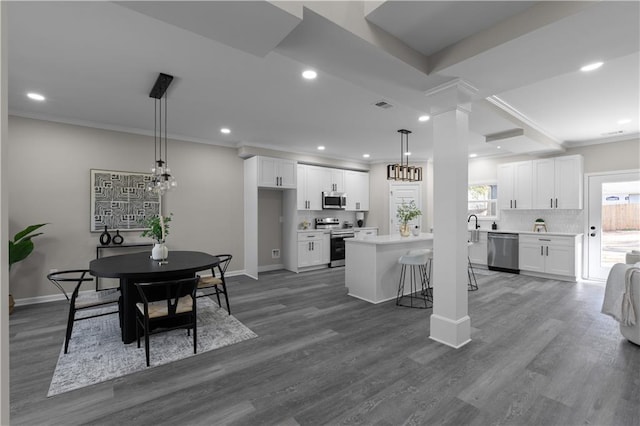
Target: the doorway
pixel 613 220
pixel 403 193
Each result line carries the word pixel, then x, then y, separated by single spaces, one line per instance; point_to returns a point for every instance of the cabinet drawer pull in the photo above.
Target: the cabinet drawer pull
pixel 541 251
pixel 547 250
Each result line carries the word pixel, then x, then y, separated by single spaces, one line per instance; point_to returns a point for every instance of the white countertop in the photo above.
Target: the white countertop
pixel 389 239
pixel 364 228
pixel 507 231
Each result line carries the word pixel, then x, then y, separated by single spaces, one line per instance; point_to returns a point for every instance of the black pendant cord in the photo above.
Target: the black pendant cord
pixel 155 133
pixel 166 151
pixel 160 135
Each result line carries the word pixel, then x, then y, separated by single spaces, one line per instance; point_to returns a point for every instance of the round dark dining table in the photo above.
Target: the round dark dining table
pixel 140 268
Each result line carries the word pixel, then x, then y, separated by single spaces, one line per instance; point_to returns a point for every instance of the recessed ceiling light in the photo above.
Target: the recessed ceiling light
pixel 624 121
pixel 225 130
pixel 309 74
pixel 424 118
pixel 366 155
pixel 473 155
pixel 591 67
pixel 498 147
pixel 321 148
pixel 35 96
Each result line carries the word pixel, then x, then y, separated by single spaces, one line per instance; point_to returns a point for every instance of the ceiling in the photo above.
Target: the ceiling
pixel 239 64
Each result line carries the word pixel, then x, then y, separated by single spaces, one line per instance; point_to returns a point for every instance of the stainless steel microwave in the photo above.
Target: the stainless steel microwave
pixel 334 200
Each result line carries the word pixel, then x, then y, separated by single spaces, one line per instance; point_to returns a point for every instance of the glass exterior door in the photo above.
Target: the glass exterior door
pixel 613 221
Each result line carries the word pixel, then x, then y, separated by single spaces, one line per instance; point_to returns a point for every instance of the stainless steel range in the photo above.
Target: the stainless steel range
pixel 338 235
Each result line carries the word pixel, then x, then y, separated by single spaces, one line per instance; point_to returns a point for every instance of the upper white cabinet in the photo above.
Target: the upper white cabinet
pixel 356 185
pixel 514 185
pixel 312 181
pixel 336 181
pixel 277 173
pixel 557 183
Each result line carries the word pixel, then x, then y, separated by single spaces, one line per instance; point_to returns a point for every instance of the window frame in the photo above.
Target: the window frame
pixel 490 200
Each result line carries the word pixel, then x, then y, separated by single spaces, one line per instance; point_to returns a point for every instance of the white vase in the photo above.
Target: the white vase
pixel 159 252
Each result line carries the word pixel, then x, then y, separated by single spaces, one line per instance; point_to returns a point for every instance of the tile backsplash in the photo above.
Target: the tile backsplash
pixel 571 221
pixel 311 215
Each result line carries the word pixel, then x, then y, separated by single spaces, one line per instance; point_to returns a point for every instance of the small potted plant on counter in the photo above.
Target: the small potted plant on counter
pixel 406 213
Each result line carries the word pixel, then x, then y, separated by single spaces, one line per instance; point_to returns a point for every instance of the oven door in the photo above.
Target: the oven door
pixel 338 250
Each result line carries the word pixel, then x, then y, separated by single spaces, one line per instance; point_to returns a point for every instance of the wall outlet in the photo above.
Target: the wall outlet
pixel 275 253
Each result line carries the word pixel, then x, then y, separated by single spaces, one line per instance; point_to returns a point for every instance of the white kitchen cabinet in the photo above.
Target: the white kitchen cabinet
pixel 311 249
pixel 326 248
pixel 367 232
pixel 312 181
pixel 515 185
pixel 277 173
pixel 550 255
pixel 336 180
pixel 478 250
pixel 557 182
pixel 356 185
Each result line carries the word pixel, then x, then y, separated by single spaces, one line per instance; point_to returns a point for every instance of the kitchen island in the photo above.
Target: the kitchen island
pixel 372 270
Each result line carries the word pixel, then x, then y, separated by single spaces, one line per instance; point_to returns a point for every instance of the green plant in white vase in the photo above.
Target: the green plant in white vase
pixel 407 212
pixel 158 229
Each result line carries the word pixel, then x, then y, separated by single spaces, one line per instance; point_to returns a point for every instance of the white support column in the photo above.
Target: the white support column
pixel 450 322
pixel 4 225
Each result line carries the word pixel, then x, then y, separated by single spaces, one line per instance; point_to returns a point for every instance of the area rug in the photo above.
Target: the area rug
pixel 97 354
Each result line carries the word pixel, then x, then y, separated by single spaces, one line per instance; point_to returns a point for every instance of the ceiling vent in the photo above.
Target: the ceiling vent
pixel 383 104
pixel 615 132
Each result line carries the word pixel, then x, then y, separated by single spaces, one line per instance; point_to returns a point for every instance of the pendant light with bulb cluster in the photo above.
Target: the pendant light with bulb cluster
pixel 161 179
pixel 403 171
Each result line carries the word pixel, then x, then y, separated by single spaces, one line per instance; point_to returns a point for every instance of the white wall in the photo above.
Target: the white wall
pixel 48 175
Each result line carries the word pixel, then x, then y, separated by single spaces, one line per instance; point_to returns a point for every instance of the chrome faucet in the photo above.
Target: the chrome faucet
pixel 469 220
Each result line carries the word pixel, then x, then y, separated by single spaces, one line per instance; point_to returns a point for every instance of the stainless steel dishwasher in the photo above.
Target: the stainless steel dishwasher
pixel 502 252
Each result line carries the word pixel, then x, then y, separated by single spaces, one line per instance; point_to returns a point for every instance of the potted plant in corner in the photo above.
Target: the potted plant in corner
pixel 20 248
pixel 158 229
pixel 405 214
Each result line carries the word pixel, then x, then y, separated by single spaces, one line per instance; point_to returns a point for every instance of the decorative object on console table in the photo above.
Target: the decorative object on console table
pixel 158 229
pixel 105 237
pixel 416 230
pixel 405 214
pixel 117 239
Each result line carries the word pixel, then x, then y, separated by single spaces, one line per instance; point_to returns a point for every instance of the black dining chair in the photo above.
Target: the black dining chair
pixel 216 281
pixel 167 305
pixel 86 301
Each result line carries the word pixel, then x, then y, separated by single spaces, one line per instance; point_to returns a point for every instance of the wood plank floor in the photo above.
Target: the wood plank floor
pixel 541 354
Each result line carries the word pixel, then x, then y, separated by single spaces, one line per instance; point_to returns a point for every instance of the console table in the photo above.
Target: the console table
pixel 99 249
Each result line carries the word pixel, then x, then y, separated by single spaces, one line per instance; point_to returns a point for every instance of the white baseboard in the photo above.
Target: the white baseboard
pixel 267 268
